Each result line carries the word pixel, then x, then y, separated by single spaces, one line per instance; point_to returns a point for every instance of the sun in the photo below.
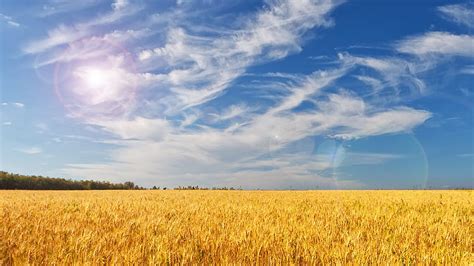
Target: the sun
pixel 94 84
pixel 101 84
pixel 94 77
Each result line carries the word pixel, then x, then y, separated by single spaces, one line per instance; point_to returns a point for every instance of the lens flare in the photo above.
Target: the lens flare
pixel 95 84
pixel 94 78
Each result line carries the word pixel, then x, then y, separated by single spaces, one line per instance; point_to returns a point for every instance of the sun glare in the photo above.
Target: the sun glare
pixel 105 84
pixel 94 78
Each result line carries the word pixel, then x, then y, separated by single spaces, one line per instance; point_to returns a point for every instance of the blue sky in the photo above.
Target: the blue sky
pixel 296 94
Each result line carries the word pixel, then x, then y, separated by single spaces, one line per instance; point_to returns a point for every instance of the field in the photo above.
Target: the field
pixel 257 227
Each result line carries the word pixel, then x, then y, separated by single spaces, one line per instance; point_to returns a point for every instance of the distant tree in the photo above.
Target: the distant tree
pixel 15 181
pixel 129 185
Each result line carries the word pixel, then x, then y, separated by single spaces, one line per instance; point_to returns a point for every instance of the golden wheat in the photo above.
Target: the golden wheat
pixel 244 227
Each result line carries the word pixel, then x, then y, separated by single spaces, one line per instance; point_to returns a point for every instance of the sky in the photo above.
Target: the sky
pixel 279 94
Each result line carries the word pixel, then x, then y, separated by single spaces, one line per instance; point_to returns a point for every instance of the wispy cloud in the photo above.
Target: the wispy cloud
pixel 264 139
pixel 438 43
pixel 159 91
pixel 14 104
pixel 139 128
pixel 232 111
pixel 375 83
pixel 468 70
pixel 120 4
pixel 92 47
pixel 395 72
pixel 202 66
pixel 58 36
pixel 460 13
pixel 31 150
pixel 9 21
pixel 66 34
pixel 54 7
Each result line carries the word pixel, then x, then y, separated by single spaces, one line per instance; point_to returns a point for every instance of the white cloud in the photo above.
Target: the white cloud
pixel 120 4
pixel 376 84
pixel 139 128
pixel 90 48
pixel 9 20
pixel 394 71
pixel 468 70
pixel 54 7
pixel 7 123
pixel 31 151
pixel 231 112
pixel 398 120
pixel 259 148
pixel 15 104
pixel 460 13
pixel 441 43
pixel 13 23
pixel 307 87
pixel 66 34
pixel 243 143
pixel 189 119
pixel 60 35
pixel 203 66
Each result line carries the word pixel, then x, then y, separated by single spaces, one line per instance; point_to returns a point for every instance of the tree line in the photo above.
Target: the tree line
pixel 16 181
pixel 33 182
pixel 203 188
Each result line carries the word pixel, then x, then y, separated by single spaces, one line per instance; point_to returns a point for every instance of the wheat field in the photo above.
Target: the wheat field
pixel 236 227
